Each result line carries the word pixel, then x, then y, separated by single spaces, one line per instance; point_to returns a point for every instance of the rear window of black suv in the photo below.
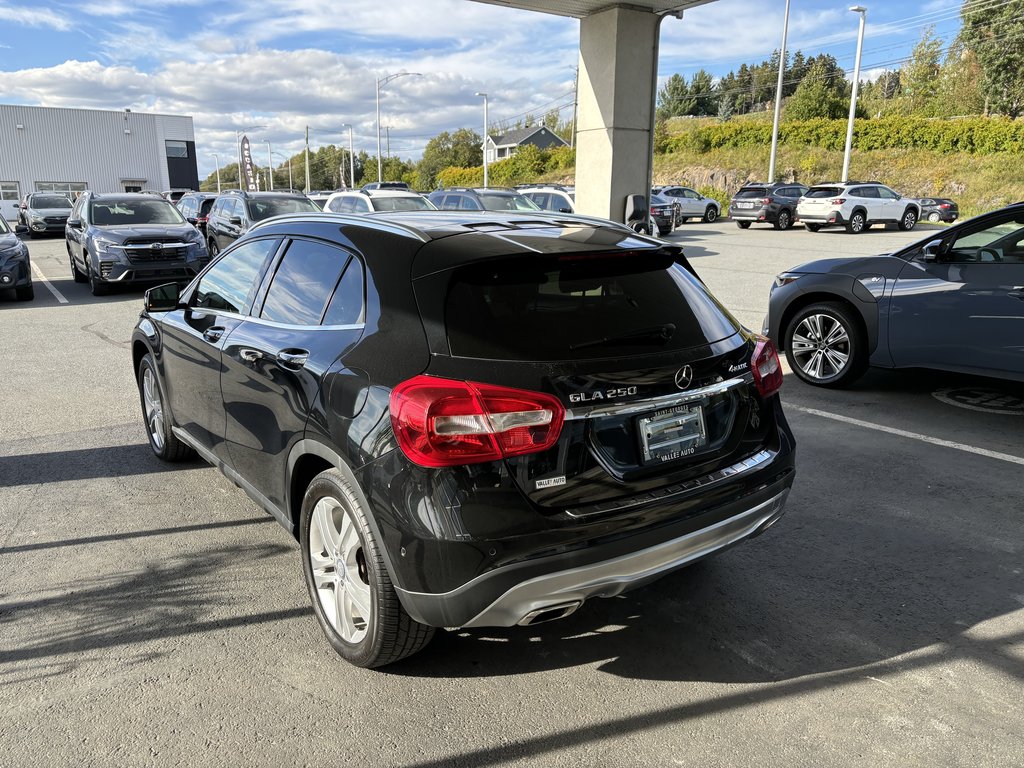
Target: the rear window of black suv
pixel 747 192
pixel 549 309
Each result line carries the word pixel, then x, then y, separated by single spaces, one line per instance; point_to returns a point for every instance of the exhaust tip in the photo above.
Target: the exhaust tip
pixel 549 613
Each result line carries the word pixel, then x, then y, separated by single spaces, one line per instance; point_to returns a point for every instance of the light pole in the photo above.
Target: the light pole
pixel 853 96
pixel 484 147
pixel 270 164
pixel 289 161
pixel 384 81
pixel 351 158
pixel 778 97
pixel 216 157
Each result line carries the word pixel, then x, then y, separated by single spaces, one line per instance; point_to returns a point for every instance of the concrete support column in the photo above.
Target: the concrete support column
pixel 618 64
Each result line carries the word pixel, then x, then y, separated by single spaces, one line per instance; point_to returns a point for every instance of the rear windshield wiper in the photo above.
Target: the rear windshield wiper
pixel 656 334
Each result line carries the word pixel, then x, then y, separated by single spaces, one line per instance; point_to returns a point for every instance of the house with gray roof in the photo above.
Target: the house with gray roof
pixel 507 144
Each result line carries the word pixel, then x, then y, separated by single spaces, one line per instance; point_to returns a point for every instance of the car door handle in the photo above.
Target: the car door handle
pixel 250 355
pixel 213 333
pixel 293 358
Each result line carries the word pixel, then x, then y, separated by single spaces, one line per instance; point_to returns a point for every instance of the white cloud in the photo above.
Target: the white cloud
pixel 34 17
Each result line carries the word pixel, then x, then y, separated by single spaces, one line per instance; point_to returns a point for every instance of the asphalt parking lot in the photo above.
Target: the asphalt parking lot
pixel 155 616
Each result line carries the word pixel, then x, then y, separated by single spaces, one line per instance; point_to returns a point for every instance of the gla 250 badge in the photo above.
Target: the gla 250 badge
pixel 602 394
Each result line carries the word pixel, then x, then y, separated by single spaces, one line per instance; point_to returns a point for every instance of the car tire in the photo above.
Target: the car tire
pixel 637 226
pixel 743 224
pixel 213 248
pixel 75 273
pixel 784 220
pixel 909 220
pixel 856 223
pixel 710 214
pixel 934 217
pixel 348 581
pixel 812 227
pixel 96 286
pixel 157 417
pixel 664 231
pixel 25 293
pixel 830 345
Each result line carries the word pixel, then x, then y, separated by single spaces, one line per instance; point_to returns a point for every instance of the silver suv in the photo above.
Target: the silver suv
pixel 855 205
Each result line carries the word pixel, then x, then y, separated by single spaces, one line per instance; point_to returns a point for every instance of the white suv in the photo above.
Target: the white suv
pixel 370 200
pixel 856 206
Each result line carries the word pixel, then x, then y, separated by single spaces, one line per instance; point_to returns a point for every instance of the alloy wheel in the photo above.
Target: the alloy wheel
pixel 821 346
pixel 933 216
pixel 339 570
pixel 154 408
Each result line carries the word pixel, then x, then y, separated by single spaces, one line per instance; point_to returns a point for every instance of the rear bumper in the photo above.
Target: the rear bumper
pixel 752 214
pixel 824 219
pixel 555 585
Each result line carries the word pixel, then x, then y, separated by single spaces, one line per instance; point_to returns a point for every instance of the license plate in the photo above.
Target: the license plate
pixel 744 205
pixel 673 433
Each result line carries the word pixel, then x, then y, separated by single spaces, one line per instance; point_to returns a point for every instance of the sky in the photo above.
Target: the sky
pixel 273 67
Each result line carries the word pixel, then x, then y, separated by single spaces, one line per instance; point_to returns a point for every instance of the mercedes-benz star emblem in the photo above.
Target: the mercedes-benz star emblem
pixel 684 377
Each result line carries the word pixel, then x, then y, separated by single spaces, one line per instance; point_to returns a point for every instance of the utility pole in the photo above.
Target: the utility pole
pixel 270 164
pixel 576 99
pixel 387 133
pixel 216 157
pixel 481 93
pixel 307 159
pixel 853 95
pixel 778 98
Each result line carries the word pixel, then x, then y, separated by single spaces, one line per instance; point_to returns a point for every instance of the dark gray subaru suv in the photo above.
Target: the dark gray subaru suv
pixel 468 419
pixel 115 239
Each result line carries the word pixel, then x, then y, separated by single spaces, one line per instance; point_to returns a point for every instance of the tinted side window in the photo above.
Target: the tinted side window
pixel 303 283
pixel 346 307
pixel 231 283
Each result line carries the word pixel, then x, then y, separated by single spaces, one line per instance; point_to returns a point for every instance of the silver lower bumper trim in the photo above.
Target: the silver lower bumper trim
pixel 612 577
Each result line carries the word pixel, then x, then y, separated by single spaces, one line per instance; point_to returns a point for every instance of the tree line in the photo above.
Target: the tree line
pixel 981 72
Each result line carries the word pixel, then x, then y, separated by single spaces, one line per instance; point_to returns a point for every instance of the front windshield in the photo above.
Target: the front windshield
pixel 277 206
pixel 51 201
pixel 507 202
pixel 401 204
pixel 115 213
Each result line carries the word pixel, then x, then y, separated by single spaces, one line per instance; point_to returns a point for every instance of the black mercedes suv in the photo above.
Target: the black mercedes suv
pixel 468 419
pixel 115 239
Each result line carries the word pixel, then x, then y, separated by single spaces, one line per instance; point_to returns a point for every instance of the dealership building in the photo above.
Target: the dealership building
pixel 46 149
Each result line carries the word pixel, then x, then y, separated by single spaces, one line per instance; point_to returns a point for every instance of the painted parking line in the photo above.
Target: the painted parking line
pixel 56 294
pixel 911 435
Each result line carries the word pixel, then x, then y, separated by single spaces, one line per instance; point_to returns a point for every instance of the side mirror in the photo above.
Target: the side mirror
pixel 21 229
pixel 163 298
pixel 565 210
pixel 931 251
pixel 75 223
pixel 192 220
pixel 236 220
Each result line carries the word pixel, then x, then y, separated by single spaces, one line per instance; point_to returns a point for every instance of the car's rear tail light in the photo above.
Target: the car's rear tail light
pixel 838 201
pixel 766 367
pixel 443 422
pixel 944 205
pixel 767 201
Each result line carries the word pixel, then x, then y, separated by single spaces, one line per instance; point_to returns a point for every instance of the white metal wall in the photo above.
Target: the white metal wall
pixel 101 148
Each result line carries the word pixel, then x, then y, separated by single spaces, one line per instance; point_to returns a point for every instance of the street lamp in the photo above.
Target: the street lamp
pixel 351 157
pixel 384 81
pixel 485 136
pixel 216 157
pixel 270 164
pixel 778 97
pixel 289 161
pixel 853 96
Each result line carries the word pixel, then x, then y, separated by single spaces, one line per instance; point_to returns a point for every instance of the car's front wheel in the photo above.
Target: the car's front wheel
pixel 96 286
pixel 909 220
pixel 165 445
pixel 826 346
pixel 710 214
pixel 25 293
pixel 75 272
pixel 350 588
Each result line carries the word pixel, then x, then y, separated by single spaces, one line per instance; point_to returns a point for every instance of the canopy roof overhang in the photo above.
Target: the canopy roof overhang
pixel 579 9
